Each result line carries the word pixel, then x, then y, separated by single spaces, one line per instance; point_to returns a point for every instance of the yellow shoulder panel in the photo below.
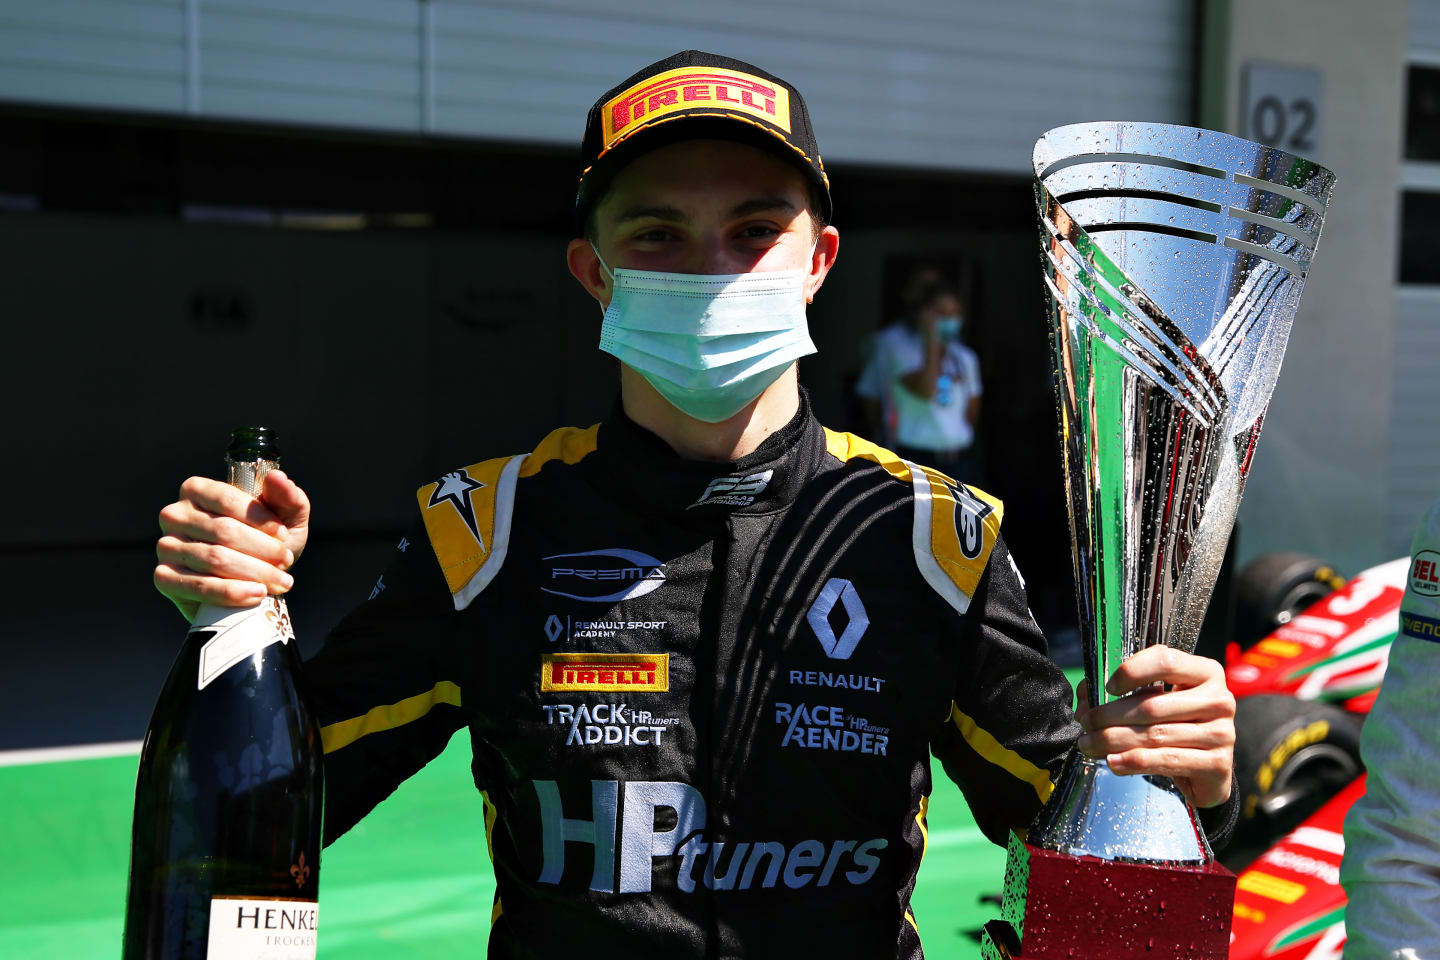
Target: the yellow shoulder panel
pixel 459 513
pixel 955 525
pixel 964 524
pixel 467 512
pixel 847 446
pixel 567 444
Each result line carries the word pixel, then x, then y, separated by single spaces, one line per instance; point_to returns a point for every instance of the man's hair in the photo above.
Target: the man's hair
pixel 817 219
pixel 930 292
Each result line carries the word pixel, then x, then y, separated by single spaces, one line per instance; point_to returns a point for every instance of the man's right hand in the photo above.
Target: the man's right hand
pixel 224 547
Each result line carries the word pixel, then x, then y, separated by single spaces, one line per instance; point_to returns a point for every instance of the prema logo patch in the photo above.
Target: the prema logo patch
pixel 604 576
pixel 604 672
pixel 842 592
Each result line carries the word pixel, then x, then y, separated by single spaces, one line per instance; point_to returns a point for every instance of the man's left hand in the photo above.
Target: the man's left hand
pixel 1185 732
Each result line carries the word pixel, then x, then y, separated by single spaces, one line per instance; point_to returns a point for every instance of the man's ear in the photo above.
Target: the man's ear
pixel 827 248
pixel 584 264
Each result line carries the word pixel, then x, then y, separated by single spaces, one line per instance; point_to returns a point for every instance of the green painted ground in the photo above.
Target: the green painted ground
pixel 64 845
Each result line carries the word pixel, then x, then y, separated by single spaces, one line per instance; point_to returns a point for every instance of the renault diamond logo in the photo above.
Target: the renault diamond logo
pixel 840 591
pixel 553 628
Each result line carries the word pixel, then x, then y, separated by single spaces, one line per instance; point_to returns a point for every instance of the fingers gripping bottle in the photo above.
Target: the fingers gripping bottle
pixel 225 856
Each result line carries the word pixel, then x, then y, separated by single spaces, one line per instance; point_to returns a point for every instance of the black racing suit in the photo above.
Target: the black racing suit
pixel 702 698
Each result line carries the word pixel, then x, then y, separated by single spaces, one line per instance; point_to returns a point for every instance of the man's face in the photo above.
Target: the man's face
pixel 706 207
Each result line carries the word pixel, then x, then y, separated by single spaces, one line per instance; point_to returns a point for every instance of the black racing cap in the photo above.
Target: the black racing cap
pixel 694 95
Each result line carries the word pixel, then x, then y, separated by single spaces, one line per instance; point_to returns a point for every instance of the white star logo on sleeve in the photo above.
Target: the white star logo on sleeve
pixel 456 487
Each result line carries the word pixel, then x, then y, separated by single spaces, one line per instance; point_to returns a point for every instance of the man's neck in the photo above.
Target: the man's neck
pixel 696 440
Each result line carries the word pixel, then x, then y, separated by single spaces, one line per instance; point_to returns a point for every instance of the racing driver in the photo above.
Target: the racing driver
pixel 704 648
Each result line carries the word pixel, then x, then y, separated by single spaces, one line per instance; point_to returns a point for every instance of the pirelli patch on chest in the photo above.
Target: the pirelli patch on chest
pixel 604 672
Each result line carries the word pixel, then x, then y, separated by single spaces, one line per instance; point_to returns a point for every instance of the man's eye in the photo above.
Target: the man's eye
pixel 656 235
pixel 759 231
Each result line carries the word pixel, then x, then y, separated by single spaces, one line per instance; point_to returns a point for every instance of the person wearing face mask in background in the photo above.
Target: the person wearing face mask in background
pixel 921 385
pixel 705 647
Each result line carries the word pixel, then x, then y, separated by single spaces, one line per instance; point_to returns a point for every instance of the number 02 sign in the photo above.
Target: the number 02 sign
pixel 1281 107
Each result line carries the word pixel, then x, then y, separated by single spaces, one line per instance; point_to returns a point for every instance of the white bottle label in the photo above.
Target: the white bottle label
pixel 245 929
pixel 239 634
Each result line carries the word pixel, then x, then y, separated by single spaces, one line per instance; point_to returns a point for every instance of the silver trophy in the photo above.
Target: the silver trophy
pixel 1174 259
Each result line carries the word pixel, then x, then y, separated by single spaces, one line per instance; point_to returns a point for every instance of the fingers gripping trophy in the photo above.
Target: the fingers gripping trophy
pixel 1174 258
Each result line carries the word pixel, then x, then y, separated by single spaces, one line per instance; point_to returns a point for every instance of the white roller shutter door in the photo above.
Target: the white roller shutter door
pixel 921 83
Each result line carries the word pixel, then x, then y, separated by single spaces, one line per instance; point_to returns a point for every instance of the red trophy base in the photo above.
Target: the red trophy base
pixel 1077 908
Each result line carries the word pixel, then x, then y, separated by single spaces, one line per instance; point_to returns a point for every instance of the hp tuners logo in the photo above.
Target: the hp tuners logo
pixel 718 865
pixel 838 647
pixel 604 576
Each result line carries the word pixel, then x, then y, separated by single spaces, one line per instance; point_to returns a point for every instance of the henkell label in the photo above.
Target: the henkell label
pixel 238 634
pixel 244 929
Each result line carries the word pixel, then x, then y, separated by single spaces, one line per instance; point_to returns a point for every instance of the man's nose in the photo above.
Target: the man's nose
pixel 709 256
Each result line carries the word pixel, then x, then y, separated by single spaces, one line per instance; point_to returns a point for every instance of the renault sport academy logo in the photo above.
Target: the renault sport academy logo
pixel 604 576
pixel 842 592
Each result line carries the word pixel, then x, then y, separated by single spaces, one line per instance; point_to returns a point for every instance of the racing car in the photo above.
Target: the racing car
pixel 1302 692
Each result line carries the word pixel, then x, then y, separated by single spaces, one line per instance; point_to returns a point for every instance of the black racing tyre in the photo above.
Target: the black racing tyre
pixel 1274 587
pixel 1290 757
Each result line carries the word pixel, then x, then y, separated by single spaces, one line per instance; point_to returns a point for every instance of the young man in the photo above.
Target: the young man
pixel 705 647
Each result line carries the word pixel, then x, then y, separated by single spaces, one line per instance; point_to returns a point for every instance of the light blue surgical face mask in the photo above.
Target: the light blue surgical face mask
pixel 709 343
pixel 948 328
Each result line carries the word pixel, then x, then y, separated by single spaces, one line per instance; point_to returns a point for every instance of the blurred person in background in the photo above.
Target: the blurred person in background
pixel 670 631
pixel 1391 869
pixel 921 385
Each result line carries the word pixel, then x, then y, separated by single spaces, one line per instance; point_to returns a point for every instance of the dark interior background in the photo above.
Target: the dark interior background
pixel 393 307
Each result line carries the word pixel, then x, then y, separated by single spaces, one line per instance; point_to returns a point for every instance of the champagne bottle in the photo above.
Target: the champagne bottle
pixel 225 858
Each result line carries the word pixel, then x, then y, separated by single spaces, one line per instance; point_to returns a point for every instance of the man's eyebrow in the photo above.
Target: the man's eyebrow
pixel 656 211
pixel 763 205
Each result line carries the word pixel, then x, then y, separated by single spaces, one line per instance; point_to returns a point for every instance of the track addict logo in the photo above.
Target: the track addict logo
pixel 717 865
pixel 604 576
pixel 607 723
pixel 734 491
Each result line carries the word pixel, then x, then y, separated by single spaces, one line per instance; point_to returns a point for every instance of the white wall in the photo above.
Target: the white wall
pixel 1321 473
pixel 922 83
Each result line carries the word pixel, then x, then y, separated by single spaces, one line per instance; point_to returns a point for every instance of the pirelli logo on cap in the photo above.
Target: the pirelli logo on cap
pixel 604 672
pixel 689 87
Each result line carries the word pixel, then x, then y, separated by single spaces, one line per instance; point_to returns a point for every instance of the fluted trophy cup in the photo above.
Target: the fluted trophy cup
pixel 1173 258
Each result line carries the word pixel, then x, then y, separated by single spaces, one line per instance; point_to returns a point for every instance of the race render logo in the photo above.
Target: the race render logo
pixel 631 838
pixel 611 724
pixel 734 491
pixel 824 727
pixel 604 576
